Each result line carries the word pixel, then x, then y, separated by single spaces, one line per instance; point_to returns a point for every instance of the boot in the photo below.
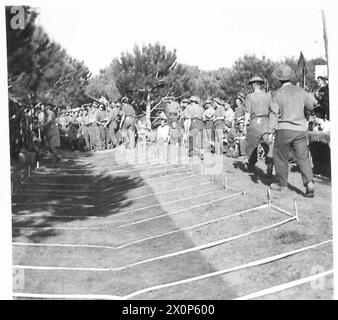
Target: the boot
pixel 310 190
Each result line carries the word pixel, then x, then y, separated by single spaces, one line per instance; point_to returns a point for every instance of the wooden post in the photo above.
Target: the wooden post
pixel 325 41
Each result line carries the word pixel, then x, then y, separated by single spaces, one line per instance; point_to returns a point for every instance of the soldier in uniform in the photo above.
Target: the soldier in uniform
pixel 50 130
pixel 239 107
pixel 257 109
pixel 287 117
pixel 93 129
pixel 183 122
pixel 84 127
pixel 128 122
pixel 219 124
pixel 195 125
pixel 112 122
pixel 101 119
pixel 208 116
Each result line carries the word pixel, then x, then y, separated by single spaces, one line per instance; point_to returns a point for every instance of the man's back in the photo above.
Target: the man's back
pixel 258 104
pixel 290 102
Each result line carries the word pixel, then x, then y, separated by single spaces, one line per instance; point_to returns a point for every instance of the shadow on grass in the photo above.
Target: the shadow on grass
pixel 63 194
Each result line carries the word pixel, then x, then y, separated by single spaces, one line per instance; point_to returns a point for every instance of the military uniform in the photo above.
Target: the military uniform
pixel 219 125
pixel 129 122
pixel 101 119
pixel 194 112
pixel 85 131
pixel 112 123
pixel 288 118
pixel 208 116
pixel 93 130
pixel 257 104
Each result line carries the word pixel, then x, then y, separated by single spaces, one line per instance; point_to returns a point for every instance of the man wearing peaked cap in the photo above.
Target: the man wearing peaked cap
pixel 194 114
pixel 287 119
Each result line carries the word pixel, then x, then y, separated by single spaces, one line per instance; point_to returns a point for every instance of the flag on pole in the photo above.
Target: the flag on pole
pixel 302 68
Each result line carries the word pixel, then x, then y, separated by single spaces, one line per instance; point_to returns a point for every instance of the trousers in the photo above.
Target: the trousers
pixel 296 141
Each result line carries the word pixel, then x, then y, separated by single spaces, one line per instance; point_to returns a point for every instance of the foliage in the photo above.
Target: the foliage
pixel 39 70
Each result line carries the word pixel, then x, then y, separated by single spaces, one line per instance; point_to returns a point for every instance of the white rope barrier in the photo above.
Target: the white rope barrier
pixel 181 210
pixel 154 178
pixel 112 216
pixel 224 271
pixel 199 225
pixel 159 193
pixel 165 256
pixel 195 226
pixel 66 296
pixel 184 281
pixel 285 286
pixel 164 203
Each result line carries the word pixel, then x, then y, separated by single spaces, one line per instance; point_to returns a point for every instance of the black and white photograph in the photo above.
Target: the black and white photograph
pixel 168 150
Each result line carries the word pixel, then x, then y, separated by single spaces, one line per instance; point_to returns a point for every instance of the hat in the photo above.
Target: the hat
pixel 240 96
pixel 256 79
pixel 283 73
pixel 208 101
pixel 185 100
pixel 322 77
pixel 195 99
pixel 218 101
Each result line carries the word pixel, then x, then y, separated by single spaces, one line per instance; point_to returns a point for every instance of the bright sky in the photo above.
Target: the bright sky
pixel 207 33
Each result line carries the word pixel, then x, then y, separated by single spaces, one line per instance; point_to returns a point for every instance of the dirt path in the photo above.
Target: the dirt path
pixel 97 224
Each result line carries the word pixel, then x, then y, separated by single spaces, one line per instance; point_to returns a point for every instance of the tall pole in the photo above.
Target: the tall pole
pixel 325 41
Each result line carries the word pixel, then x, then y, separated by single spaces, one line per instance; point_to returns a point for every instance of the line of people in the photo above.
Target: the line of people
pixel 100 126
pixel 277 123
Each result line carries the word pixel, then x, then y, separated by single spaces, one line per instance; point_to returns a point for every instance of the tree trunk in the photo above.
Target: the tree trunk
pixel 148 111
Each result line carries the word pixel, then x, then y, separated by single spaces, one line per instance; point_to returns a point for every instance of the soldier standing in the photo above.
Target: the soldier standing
pixel 287 116
pixel 208 116
pixel 128 122
pixel 219 125
pixel 257 109
pixel 101 119
pixel 112 122
pixel 50 130
pixel 195 125
pixel 239 107
pixel 93 128
pixel 84 127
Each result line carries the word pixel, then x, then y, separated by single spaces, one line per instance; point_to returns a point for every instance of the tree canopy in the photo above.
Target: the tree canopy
pixel 40 70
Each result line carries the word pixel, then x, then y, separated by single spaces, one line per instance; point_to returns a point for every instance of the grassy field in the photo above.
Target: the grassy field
pixel 98 225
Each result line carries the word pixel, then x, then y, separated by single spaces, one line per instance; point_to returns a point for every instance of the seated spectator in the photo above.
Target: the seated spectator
pixel 163 132
pixel 319 122
pixel 175 134
pixel 236 140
